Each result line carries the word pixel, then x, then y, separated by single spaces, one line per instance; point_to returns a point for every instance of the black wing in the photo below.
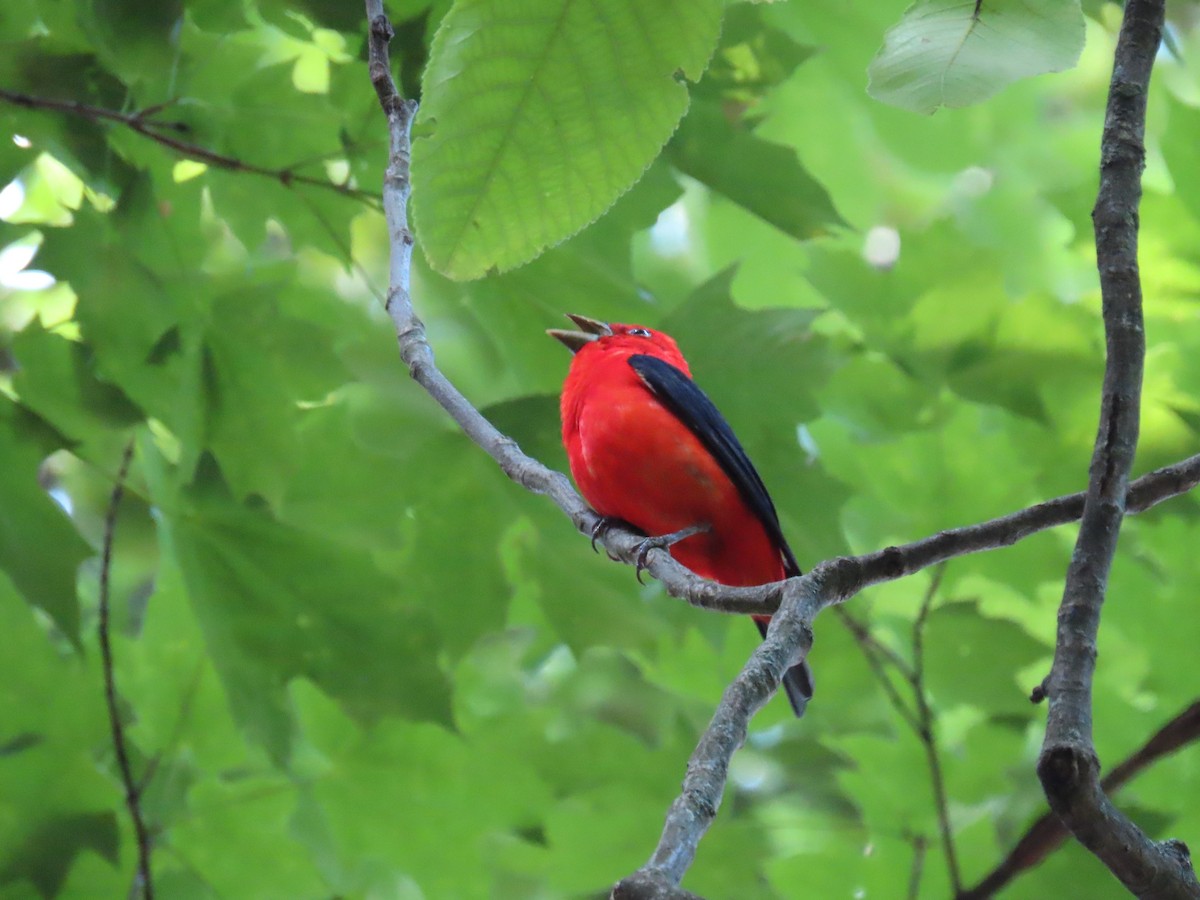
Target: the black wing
pixel 692 407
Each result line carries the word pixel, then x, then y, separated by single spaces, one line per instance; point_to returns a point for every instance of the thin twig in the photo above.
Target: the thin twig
pixel 144 883
pixel 920 845
pixel 1047 834
pixel 347 253
pixel 862 634
pixel 872 651
pixel 927 723
pixel 142 123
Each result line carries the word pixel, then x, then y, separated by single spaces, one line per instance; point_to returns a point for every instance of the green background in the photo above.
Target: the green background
pixel 353 659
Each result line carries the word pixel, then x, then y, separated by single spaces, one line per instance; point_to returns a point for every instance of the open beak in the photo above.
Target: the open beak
pixel 592 329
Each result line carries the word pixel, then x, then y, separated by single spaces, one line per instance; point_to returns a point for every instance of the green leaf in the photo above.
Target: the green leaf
pixel 346 643
pixel 537 115
pixel 954 53
pixel 767 179
pixel 277 603
pixel 1183 130
pixel 56 802
pixel 752 58
pixel 48 852
pixel 252 813
pixel 466 793
pixel 57 379
pixel 973 659
pixel 858 863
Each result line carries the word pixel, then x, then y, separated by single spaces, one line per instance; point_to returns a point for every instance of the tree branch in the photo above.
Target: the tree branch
pixel 156 130
pixel 1068 767
pixel 144 884
pixel 788 641
pixel 1047 834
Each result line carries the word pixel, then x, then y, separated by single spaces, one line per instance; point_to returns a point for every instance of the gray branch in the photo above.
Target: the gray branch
pixel 1068 766
pixel 793 603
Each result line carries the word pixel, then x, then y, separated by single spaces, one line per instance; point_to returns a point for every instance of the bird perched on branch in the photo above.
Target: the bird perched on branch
pixel 647 447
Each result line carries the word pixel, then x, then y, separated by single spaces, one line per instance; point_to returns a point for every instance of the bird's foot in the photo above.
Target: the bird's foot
pixel 603 524
pixel 662 542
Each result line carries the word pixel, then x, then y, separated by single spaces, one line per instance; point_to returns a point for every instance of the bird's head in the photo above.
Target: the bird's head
pixel 614 338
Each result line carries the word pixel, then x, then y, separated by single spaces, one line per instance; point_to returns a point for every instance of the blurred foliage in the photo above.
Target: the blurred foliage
pixel 353 659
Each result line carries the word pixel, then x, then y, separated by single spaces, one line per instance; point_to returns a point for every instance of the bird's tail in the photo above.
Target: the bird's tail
pixel 797 681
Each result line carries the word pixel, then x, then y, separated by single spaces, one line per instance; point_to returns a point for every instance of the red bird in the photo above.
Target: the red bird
pixel 648 447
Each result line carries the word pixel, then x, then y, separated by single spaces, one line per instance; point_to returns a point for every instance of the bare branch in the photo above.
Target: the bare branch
pixel 158 131
pixel 144 883
pixel 1068 767
pixel 1047 834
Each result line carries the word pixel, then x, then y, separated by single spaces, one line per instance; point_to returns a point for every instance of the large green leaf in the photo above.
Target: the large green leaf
pixel 767 179
pixel 951 53
pixel 276 603
pixel 537 115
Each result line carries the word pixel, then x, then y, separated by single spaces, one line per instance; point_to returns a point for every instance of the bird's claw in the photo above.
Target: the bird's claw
pixel 602 524
pixel 662 542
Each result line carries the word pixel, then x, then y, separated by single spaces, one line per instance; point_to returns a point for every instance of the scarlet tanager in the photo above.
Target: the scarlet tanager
pixel 646 446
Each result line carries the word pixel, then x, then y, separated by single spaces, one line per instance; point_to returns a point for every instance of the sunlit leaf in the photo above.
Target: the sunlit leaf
pixel 544 114
pixel 952 53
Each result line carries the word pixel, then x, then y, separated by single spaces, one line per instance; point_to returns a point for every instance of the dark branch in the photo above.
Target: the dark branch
pixel 1068 767
pixel 1047 834
pixel 926 724
pixel 920 845
pixel 144 883
pixel 144 124
pixel 643 886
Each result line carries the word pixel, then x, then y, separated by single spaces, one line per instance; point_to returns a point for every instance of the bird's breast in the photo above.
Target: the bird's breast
pixel 633 459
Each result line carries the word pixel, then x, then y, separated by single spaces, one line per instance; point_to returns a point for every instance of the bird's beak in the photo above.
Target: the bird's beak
pixel 593 329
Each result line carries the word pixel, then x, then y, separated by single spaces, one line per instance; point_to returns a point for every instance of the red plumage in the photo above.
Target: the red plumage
pixel 646 446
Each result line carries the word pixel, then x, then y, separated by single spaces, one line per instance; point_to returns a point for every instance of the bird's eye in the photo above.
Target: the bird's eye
pixel 639 332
